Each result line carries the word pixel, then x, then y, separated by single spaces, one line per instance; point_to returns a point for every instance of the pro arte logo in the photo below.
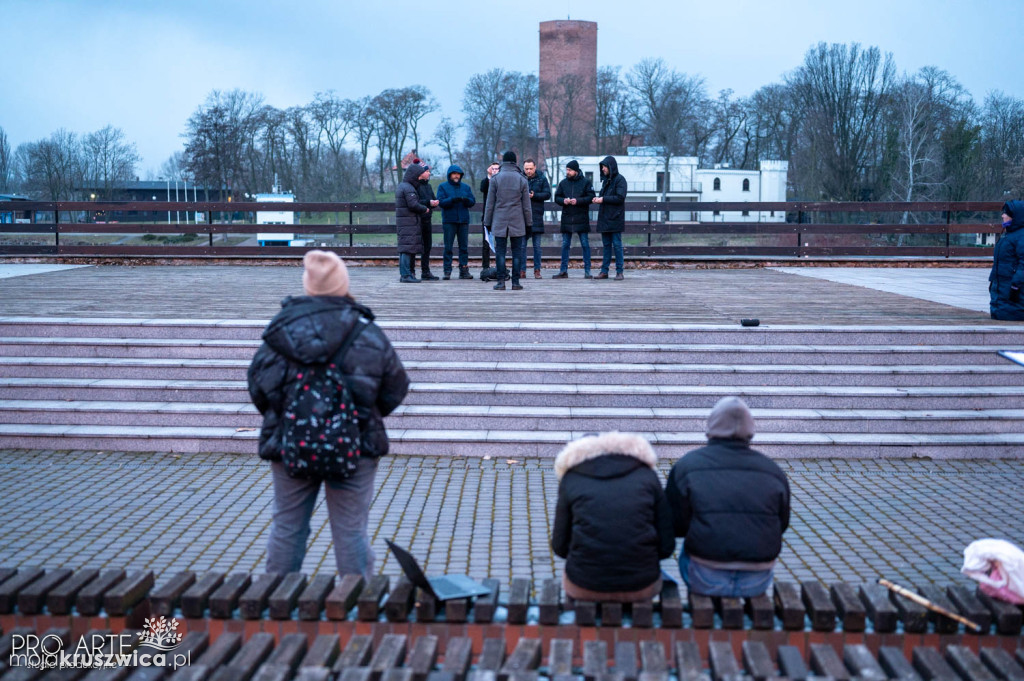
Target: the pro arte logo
pixel 150 648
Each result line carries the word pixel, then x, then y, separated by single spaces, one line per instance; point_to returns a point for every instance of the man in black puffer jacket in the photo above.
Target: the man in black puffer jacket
pixel 731 504
pixel 427 198
pixel 574 195
pixel 310 330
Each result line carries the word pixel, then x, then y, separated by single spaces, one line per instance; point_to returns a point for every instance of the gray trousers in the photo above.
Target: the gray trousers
pixel 348 510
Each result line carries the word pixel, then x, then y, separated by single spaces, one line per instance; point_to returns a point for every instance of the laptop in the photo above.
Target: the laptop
pixel 444 588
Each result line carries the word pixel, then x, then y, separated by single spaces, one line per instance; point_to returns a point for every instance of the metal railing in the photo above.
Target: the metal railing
pixel 366 230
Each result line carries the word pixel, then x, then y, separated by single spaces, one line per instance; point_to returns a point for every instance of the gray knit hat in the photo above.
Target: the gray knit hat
pixel 731 420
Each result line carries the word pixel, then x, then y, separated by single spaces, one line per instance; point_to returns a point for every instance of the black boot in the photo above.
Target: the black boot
pixel 447 275
pixel 425 275
pixel 464 273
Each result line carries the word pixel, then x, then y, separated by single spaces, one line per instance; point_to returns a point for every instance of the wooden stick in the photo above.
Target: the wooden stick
pixel 934 607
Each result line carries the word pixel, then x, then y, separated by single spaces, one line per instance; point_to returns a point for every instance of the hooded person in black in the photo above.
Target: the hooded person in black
pixel 731 505
pixel 612 523
pixel 312 330
pixel 485 185
pixel 1007 276
pixel 427 198
pixel 611 216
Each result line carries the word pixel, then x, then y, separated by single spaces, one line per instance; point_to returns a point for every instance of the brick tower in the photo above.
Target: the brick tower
pixel 568 87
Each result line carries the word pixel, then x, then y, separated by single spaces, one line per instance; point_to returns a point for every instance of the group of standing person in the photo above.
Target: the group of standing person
pixel 513 215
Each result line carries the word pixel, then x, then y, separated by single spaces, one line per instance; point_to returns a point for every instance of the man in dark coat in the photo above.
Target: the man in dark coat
pixel 311 330
pixel 508 216
pixel 1007 276
pixel 485 253
pixel 427 198
pixel 540 191
pixel 408 209
pixel 612 523
pixel 455 198
pixel 611 216
pixel 731 504
pixel 574 195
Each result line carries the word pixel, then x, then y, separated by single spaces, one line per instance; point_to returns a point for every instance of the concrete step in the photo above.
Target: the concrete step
pixel 889 355
pixel 548 394
pixel 508 444
pixel 544 372
pixel 530 332
pixel 498 418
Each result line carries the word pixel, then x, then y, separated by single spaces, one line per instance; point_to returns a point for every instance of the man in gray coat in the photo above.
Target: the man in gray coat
pixel 508 214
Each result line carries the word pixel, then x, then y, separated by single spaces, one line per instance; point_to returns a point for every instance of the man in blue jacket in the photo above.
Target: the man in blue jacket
pixel 1007 276
pixel 456 199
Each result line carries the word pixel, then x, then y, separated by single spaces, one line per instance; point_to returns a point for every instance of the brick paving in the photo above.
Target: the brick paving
pixel 852 521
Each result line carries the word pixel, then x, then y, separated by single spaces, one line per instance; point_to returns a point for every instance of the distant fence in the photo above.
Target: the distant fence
pixel 366 230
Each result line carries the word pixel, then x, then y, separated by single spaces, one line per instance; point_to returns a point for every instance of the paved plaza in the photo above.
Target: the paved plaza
pixel 852 521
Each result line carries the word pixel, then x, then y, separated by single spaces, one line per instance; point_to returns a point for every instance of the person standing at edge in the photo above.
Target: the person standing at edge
pixel 574 195
pixel 611 216
pixel 731 505
pixel 408 210
pixel 485 254
pixel 1007 276
pixel 540 191
pixel 314 329
pixel 427 198
pixel 508 215
pixel 455 199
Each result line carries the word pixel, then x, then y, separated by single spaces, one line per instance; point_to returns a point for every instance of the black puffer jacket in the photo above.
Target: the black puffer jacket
pixel 310 330
pixel 575 218
pixel 611 212
pixel 408 210
pixel 1008 267
pixel 731 503
pixel 613 524
pixel 541 189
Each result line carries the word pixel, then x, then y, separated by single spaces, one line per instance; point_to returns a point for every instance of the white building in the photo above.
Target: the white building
pixel 644 170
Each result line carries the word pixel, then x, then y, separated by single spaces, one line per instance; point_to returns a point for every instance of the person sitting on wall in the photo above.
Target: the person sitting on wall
pixel 613 524
pixel 730 503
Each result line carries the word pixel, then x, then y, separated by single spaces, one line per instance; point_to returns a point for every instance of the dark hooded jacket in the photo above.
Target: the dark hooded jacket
pixel 731 503
pixel 575 218
pixel 408 209
pixel 541 189
pixel 613 524
pixel 1008 267
pixel 310 330
pixel 611 212
pixel 456 198
pixel 426 194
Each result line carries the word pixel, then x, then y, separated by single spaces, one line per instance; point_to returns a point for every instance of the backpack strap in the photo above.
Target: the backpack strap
pixel 361 323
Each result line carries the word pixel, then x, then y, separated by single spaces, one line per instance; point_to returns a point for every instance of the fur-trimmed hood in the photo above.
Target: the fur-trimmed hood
pixel 594 446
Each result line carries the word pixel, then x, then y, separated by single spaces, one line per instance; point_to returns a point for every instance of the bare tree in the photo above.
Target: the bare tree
pixel 6 164
pixel 416 103
pixel 729 119
pixel 663 104
pixel 444 135
pixel 842 90
pixel 521 112
pixel 220 139
pixel 609 94
pixel 109 159
pixel 1003 141
pixel 52 167
pixel 483 102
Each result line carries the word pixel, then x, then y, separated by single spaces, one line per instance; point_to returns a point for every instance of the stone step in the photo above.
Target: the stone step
pixel 13 346
pixel 504 418
pixel 548 394
pixel 1007 374
pixel 529 332
pixel 509 444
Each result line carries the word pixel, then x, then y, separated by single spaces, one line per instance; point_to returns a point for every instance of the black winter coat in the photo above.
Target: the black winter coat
pixel 541 189
pixel 1008 267
pixel 408 210
pixel 485 185
pixel 613 524
pixel 426 194
pixel 310 330
pixel 730 502
pixel 575 218
pixel 611 212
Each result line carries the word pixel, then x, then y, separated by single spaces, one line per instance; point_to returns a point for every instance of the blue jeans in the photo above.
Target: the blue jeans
pixel 584 244
pixel 501 245
pixel 406 264
pixel 536 238
pixel 709 581
pixel 451 231
pixel 611 240
pixel 348 511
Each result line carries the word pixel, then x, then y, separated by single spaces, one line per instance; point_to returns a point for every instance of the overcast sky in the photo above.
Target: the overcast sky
pixel 145 65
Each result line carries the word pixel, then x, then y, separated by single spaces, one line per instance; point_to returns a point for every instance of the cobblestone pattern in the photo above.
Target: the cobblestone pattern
pixel 852 520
